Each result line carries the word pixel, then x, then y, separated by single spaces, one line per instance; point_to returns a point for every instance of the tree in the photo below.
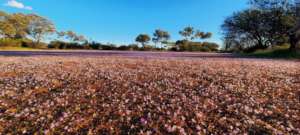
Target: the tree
pixel 260 28
pixel 160 36
pixel 248 23
pixel 20 24
pixel 39 27
pixel 6 29
pixel 294 33
pixel 266 24
pixel 143 39
pixel 272 4
pixel 202 35
pixel 155 41
pixel 289 9
pixel 13 25
pixel 72 36
pixel 187 33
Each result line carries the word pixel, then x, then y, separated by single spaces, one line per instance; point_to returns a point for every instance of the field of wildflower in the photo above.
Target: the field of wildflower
pixel 139 95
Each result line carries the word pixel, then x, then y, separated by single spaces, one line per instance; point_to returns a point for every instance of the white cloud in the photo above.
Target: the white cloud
pixel 16 4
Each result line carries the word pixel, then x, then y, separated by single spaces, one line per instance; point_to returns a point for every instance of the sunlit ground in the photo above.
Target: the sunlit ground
pixel 156 95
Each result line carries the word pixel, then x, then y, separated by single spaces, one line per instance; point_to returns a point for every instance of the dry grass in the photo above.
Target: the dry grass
pixel 113 95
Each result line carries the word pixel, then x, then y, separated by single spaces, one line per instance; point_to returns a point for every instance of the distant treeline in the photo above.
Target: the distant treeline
pixel 180 46
pixel 31 30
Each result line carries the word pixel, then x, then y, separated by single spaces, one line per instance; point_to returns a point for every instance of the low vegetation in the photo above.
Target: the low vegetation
pixel 278 52
pixel 117 95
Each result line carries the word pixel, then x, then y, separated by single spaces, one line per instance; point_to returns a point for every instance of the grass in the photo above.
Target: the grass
pixel 278 52
pixel 17 49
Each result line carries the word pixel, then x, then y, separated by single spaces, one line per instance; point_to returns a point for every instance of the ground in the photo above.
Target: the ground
pixel 91 92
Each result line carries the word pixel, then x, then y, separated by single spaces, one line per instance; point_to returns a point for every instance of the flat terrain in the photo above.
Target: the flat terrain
pixel 91 92
pixel 116 53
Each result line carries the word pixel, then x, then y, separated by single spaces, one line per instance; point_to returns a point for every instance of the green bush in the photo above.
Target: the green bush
pixel 30 44
pixel 146 48
pixel 6 42
pixel 278 52
pixel 26 43
pixel 66 45
pixel 184 45
pixel 134 47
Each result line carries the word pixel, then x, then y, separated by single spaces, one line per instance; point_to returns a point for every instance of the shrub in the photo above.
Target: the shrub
pixel 107 47
pixel 94 45
pixel 124 48
pixel 7 42
pixel 134 47
pixel 66 45
pixel 184 45
pixel 146 48
pixel 54 45
pixel 30 44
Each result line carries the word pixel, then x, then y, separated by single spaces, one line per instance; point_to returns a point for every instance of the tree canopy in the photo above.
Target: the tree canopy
pixel 187 33
pixel 22 26
pixel 72 36
pixel 160 36
pixel 264 25
pixel 143 39
pixel 39 27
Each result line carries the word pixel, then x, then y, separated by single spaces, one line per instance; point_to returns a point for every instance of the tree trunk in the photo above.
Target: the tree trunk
pixel 293 41
pixel 38 41
pixel 260 44
pixel 294 36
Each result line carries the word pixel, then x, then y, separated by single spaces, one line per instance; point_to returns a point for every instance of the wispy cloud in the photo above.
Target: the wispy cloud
pixel 16 4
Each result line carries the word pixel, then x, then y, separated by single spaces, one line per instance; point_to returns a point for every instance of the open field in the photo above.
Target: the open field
pixel 91 53
pixel 90 92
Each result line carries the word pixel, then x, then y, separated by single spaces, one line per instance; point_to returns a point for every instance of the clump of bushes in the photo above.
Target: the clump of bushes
pixel 5 42
pixel 97 46
pixel 131 47
pixel 26 43
pixel 185 45
pixel 66 45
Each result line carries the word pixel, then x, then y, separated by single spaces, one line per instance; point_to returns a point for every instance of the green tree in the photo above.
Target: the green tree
pixel 259 29
pixel 13 25
pixel 294 33
pixel 7 30
pixel 272 4
pixel 39 27
pixel 267 23
pixel 20 23
pixel 143 39
pixel 160 36
pixel 72 36
pixel 187 33
pixel 202 35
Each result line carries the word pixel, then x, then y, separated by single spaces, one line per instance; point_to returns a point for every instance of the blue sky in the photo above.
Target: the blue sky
pixel 120 21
